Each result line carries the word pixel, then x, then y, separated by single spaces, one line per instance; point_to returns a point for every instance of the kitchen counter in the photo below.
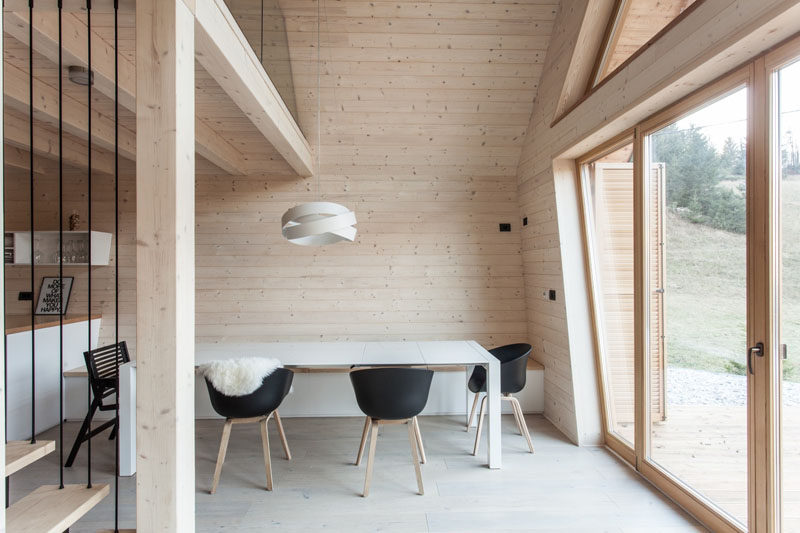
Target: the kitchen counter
pixel 77 336
pixel 20 323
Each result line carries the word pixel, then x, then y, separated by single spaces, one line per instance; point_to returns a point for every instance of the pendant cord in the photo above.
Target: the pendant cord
pixel 60 254
pixel 89 258
pixel 261 57
pixel 319 95
pixel 33 236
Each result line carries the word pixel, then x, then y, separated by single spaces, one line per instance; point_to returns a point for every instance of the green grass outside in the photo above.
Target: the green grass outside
pixel 705 295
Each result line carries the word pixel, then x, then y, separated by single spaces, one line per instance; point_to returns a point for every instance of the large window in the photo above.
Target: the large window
pixel 692 231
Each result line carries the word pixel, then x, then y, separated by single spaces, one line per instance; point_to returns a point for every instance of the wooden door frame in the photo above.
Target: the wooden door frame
pixel 765 70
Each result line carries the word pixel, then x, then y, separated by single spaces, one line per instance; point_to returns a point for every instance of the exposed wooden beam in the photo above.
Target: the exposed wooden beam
pixel 75 113
pixel 45 144
pixel 209 143
pixel 223 51
pixel 45 41
pixel 165 255
pixel 19 158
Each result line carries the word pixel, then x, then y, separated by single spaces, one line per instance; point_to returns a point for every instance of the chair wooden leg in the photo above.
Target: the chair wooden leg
pixel 519 422
pixel 265 445
pixel 480 426
pixel 518 407
pixel 412 439
pixel 223 448
pixel 282 435
pixel 364 435
pixel 373 441
pixel 472 411
pixel 418 435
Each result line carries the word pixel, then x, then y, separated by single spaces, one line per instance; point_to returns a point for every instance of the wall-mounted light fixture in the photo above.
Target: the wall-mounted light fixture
pixel 80 75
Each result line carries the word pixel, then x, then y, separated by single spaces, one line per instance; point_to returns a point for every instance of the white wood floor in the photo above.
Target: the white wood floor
pixel 560 488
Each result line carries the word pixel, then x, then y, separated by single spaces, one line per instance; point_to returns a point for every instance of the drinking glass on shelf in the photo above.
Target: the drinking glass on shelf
pixel 83 256
pixel 37 250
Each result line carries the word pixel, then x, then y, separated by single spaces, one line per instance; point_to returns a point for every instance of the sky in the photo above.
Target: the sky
pixel 727 117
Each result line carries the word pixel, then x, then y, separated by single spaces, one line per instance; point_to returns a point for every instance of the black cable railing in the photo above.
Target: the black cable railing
pixel 60 252
pixel 261 54
pixel 89 222
pixel 33 237
pixel 116 257
pixel 35 241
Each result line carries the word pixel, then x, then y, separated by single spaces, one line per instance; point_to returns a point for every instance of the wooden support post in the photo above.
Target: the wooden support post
pixel 3 313
pixel 165 265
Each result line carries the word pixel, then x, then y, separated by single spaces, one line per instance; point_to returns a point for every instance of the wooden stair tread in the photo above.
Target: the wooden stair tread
pixel 50 509
pixel 21 453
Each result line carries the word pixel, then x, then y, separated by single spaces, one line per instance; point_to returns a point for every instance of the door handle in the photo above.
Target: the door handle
pixel 758 349
pixel 784 354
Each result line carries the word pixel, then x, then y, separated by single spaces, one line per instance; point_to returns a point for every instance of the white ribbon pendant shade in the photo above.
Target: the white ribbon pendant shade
pixel 318 223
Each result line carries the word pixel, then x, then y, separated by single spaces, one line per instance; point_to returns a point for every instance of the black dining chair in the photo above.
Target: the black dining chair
pixel 102 364
pixel 368 424
pixel 257 407
pixel 513 372
pixel 391 395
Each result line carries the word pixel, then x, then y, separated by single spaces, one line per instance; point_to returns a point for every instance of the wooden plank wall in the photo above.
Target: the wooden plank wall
pixel 17 205
pixel 541 246
pixel 424 108
pixel 428 262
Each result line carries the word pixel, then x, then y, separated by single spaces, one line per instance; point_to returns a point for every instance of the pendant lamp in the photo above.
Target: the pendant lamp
pixel 318 223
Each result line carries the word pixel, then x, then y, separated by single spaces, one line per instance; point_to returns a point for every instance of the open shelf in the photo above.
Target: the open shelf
pixel 46 247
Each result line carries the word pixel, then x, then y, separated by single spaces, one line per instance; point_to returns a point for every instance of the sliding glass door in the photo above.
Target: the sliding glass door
pixel 694 169
pixel 692 225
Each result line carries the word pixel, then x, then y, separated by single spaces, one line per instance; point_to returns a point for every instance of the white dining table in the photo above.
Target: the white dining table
pixel 338 354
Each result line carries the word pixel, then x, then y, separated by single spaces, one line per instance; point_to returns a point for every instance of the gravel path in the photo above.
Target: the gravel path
pixel 686 386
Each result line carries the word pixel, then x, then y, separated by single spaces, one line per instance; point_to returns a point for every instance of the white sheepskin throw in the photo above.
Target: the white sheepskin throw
pixel 238 377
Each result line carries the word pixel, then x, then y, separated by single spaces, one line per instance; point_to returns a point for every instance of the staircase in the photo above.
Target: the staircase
pixel 48 508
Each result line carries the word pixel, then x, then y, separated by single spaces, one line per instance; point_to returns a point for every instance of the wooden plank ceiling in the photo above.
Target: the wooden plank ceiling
pixel 453 80
pixel 450 82
pixel 640 21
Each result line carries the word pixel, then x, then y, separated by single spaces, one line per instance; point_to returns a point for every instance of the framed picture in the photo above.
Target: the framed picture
pixel 49 296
